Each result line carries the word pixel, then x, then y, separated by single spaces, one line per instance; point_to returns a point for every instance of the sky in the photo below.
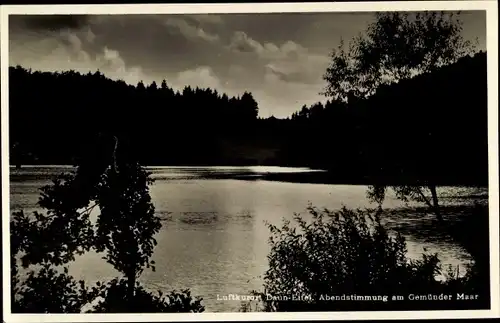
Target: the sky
pixel 279 58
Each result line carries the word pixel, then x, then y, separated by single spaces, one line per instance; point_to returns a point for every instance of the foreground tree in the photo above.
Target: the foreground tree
pixel 117 186
pixel 126 224
pixel 397 46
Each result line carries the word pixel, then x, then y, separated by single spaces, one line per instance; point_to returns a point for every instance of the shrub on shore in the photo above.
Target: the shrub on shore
pixel 349 255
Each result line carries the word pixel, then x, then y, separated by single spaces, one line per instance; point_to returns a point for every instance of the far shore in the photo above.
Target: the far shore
pixel 295 174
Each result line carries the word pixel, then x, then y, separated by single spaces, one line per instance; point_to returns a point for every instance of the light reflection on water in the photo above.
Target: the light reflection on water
pixel 214 240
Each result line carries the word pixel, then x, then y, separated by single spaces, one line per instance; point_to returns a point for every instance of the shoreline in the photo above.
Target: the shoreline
pixel 303 175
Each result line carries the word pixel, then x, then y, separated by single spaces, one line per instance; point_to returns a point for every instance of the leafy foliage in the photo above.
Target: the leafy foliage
pixel 126 224
pixel 344 252
pixel 49 291
pixel 144 301
pixel 396 46
pixel 124 232
pixel 376 193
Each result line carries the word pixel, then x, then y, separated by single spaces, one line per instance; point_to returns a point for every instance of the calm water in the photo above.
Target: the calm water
pixel 214 239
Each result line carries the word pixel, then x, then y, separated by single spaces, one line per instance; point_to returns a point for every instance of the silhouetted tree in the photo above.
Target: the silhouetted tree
pixel 249 106
pixel 112 180
pixel 127 223
pixel 153 87
pixel 397 46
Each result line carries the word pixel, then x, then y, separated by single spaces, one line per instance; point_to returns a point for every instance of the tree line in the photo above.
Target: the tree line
pixel 406 102
pixel 435 123
pixel 53 116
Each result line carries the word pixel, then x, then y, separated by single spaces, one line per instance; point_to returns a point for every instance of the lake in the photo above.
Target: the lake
pixel 214 239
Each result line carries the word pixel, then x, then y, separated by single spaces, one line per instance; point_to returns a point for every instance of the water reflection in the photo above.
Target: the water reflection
pixel 214 239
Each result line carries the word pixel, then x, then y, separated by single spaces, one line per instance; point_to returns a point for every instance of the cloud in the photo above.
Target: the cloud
pixel 48 22
pixel 190 31
pixel 289 61
pixel 207 18
pixel 306 68
pixel 202 77
pixel 282 75
pixel 74 46
pixel 61 51
pixel 90 36
pixel 111 63
pixel 69 49
pixel 241 42
pixel 277 96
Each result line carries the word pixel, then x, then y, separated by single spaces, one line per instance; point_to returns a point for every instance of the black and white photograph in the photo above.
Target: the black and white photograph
pixel 204 159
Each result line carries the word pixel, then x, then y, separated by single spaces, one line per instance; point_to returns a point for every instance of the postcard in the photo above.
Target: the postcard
pixel 266 161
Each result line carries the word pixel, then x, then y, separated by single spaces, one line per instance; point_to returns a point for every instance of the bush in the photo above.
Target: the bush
pixel 115 293
pixel 123 233
pixel 345 253
pixel 475 220
pixel 50 291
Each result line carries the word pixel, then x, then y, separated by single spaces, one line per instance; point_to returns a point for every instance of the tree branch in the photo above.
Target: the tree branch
pixel 89 209
pixel 424 197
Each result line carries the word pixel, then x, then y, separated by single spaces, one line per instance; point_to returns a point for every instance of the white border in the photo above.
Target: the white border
pixel 492 60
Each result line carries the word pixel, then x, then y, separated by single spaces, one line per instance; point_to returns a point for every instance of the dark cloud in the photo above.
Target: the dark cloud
pixel 50 22
pixel 206 19
pixel 291 77
pixel 240 42
pixel 190 31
